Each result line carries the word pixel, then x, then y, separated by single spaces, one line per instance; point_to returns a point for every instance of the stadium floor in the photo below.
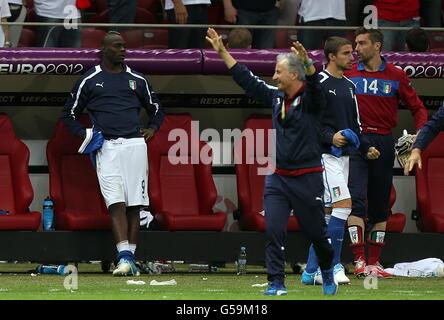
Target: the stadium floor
pixel 18 281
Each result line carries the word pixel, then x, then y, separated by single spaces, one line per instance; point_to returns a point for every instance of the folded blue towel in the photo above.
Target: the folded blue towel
pixel 353 143
pixel 92 143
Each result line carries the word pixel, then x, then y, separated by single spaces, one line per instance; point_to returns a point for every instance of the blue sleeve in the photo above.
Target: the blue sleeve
pixel 314 96
pixel 77 101
pixel 327 135
pixel 152 105
pixel 430 130
pixel 254 87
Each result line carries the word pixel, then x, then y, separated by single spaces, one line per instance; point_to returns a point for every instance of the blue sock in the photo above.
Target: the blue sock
pixel 335 231
pixel 312 261
pixel 128 255
pixel 327 276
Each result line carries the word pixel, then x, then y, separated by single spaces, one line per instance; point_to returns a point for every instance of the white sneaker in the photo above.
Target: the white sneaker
pixel 318 277
pixel 123 268
pixel 339 274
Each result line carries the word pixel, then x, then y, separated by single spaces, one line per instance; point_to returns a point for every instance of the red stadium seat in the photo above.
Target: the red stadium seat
pixel 395 221
pixel 150 5
pixel 92 38
pixel 146 38
pixel 100 6
pixel 250 185
pixel 73 184
pixel 216 13
pixel 284 38
pixel 430 187
pixel 16 192
pixel 27 38
pixel 144 16
pixel 436 41
pixel 181 195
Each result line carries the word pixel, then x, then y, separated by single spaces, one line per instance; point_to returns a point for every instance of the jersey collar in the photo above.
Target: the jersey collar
pixel 381 67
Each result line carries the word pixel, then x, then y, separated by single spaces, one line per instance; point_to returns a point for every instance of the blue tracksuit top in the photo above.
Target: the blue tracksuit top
pixel 430 130
pixel 340 112
pixel 113 101
pixel 298 136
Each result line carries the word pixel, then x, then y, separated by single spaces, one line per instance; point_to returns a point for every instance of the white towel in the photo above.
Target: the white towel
pixel 430 267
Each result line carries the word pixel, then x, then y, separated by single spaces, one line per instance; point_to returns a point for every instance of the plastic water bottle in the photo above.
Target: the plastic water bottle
pixel 242 261
pixel 48 214
pixel 51 269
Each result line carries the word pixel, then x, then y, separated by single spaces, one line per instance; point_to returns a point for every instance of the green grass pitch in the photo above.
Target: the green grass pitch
pixel 16 282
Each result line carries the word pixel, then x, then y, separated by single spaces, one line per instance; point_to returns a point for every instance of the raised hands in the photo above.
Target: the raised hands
pixel 300 51
pixel 215 39
pixel 217 44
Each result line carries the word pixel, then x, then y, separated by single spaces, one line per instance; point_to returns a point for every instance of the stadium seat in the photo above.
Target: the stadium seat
pixel 395 221
pixel 16 191
pixel 250 185
pixel 73 184
pixel 92 38
pixel 144 16
pixel 436 41
pixel 27 38
pixel 216 13
pixel 100 6
pixel 146 38
pixel 284 38
pixel 150 5
pixel 181 195
pixel 430 187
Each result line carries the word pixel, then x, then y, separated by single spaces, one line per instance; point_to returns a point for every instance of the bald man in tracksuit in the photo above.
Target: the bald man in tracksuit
pixel 297 180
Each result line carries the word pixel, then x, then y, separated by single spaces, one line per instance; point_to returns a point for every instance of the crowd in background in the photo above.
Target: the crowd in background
pixel 309 13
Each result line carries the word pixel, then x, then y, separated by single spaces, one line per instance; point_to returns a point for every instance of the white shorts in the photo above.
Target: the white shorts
pixel 122 169
pixel 335 178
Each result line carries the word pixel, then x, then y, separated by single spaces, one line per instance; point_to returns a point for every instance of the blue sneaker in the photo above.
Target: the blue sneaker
pixel 329 285
pixel 311 279
pixel 330 289
pixel 276 289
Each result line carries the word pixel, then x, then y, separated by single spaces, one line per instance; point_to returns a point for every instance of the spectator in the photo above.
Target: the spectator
pixel 354 10
pixel 57 11
pixel 288 12
pixel 397 13
pixel 186 12
pixel 324 13
pixel 417 40
pixel 18 14
pixel 259 12
pixel 4 30
pixel 239 38
pixel 122 11
pixel 430 11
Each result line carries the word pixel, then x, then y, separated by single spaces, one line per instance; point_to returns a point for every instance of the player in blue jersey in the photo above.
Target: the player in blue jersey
pixel 296 182
pixel 341 133
pixel 113 95
pixel 425 136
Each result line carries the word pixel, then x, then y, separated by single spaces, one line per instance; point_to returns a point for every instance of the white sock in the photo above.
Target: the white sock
pixel 132 247
pixel 123 246
pixel 341 213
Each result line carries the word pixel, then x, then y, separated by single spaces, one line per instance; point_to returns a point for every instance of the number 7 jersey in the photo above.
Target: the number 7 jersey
pixel 379 94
